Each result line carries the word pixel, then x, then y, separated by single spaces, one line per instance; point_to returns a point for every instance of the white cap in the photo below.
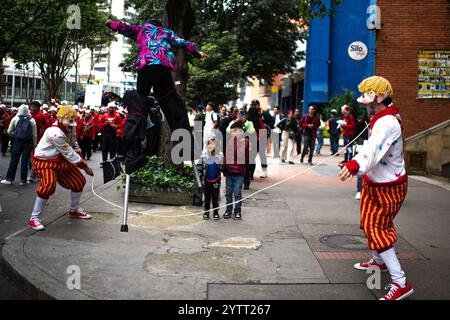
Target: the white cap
pixel 112 104
pixel 64 102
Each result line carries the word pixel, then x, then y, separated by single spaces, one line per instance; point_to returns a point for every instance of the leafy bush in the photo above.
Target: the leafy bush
pixel 154 174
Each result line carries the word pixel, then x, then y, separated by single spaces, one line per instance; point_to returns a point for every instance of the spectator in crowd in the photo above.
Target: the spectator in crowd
pixel 334 131
pixel 298 136
pixel 276 137
pixel 289 127
pixel 309 123
pixel 212 166
pixel 191 116
pixel 254 116
pixel 23 129
pixel 97 143
pixel 236 167
pixel 362 131
pixel 53 118
pixel 320 131
pixel 222 113
pixel 39 118
pixel 211 124
pixel 348 130
pixel 110 122
pixel 5 120
pixel 224 124
pixel 86 134
pixel 249 129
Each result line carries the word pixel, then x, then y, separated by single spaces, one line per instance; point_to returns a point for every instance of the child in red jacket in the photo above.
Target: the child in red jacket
pixel 236 166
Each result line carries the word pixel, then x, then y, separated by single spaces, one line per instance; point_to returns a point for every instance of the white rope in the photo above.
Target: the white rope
pixel 244 198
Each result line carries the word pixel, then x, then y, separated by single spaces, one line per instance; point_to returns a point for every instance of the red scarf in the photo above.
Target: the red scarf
pixel 393 111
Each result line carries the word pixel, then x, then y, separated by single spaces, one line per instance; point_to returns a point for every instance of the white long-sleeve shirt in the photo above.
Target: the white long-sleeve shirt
pixel 381 156
pixel 55 143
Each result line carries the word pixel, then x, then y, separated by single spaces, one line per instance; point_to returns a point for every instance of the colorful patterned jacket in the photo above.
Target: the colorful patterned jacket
pixel 155 44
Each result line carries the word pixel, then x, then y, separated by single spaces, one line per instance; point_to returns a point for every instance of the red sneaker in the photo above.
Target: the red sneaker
pixel 36 224
pixel 80 214
pixel 398 293
pixel 370 264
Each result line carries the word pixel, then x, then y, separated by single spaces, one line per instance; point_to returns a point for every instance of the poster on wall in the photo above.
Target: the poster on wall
pixel 434 74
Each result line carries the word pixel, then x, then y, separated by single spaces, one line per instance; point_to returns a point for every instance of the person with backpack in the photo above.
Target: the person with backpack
pixel 334 131
pixel 211 162
pixel 23 130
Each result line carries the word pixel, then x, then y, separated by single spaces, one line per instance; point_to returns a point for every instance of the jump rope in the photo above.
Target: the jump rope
pixel 235 202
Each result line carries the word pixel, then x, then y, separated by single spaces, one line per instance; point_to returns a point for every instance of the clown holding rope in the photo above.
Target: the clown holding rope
pixel 57 159
pixel 384 183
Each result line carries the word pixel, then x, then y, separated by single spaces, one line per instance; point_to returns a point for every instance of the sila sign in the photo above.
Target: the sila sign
pixel 357 50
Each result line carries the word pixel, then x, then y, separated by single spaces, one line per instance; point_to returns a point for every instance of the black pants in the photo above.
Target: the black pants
pixel 97 143
pixel 86 147
pixel 120 147
pixel 298 140
pixel 108 146
pixel 308 147
pixel 160 79
pixel 349 150
pixel 212 191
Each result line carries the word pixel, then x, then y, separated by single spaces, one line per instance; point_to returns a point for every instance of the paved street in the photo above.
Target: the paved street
pixel 298 240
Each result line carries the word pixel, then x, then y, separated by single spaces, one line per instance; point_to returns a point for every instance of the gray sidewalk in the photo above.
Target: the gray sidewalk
pixel 298 240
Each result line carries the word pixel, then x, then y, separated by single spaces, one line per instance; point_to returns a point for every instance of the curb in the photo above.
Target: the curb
pixel 31 291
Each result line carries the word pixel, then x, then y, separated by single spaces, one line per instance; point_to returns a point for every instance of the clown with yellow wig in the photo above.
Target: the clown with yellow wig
pixel 385 183
pixel 57 159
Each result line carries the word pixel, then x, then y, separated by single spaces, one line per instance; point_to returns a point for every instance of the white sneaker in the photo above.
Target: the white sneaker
pixel 358 196
pixel 6 182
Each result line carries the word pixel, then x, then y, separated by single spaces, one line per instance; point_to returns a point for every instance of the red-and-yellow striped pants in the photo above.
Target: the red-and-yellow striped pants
pixel 65 173
pixel 379 206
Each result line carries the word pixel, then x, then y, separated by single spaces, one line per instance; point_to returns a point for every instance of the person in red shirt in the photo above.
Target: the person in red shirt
pixel 309 124
pixel 40 118
pixel 348 130
pixel 5 120
pixel 110 122
pixel 85 134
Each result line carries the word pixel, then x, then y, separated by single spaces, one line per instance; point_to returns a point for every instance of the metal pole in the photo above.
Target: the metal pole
pixel 124 227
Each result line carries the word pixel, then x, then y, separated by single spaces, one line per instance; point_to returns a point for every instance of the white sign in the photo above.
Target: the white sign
pixel 357 50
pixel 93 95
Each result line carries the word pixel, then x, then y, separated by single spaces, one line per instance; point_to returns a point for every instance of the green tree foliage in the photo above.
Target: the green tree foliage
pixel 216 77
pixel 346 98
pixel 54 46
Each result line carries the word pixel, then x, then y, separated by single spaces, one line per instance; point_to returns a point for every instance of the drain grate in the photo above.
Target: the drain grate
pixel 344 241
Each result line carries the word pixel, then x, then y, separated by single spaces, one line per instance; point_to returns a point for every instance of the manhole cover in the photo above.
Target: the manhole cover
pixel 345 241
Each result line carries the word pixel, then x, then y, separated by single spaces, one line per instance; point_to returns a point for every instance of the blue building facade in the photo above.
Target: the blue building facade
pixel 330 66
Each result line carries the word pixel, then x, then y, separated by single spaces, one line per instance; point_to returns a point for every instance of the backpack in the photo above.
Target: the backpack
pixel 23 130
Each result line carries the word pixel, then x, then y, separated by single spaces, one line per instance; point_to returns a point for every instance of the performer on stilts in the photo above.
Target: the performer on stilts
pixel 57 159
pixel 385 183
pixel 154 64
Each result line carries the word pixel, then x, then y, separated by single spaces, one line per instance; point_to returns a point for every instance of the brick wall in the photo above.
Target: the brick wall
pixel 408 26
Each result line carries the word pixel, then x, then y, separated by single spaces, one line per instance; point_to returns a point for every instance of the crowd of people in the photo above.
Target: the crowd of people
pixel 22 128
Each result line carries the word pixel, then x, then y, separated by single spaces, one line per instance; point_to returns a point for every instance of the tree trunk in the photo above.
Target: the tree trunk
pixel 178 16
pixel 2 79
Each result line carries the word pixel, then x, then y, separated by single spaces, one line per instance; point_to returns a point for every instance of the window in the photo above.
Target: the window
pixel 9 87
pixel 17 87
